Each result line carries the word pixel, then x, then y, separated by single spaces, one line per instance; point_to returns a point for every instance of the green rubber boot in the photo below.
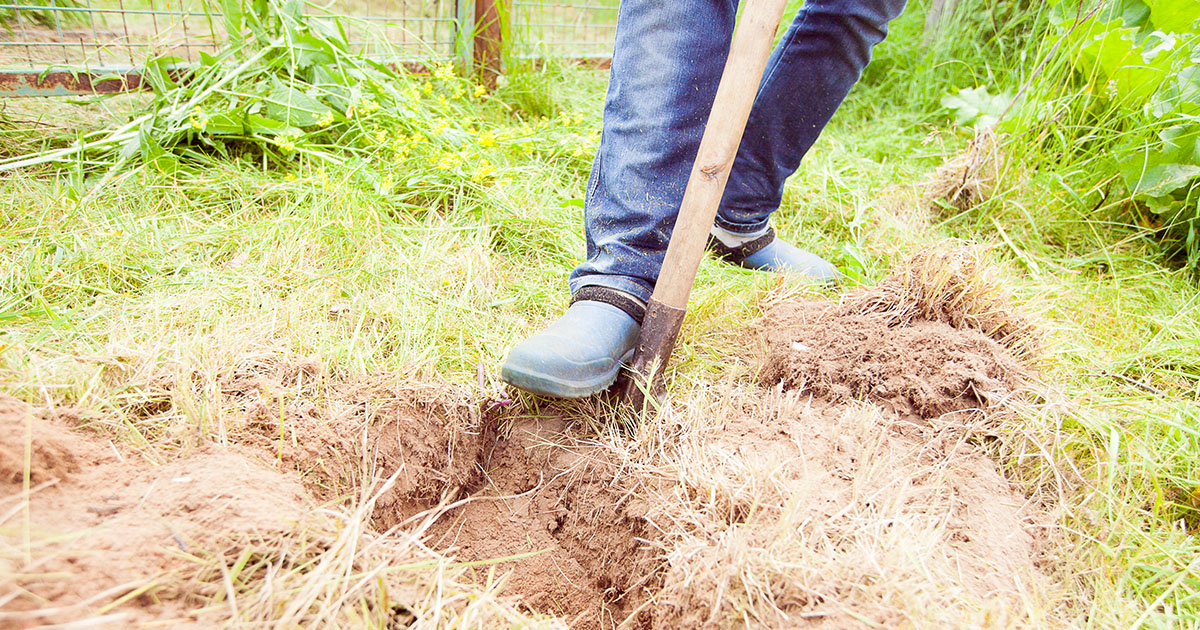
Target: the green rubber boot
pixel 578 355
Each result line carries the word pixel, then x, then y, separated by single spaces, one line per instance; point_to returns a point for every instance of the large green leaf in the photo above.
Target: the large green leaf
pixel 977 106
pixel 294 107
pixel 225 124
pixel 265 126
pixel 1177 16
pixel 1161 169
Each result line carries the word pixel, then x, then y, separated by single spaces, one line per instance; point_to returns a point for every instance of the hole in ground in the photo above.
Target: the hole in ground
pixel 562 520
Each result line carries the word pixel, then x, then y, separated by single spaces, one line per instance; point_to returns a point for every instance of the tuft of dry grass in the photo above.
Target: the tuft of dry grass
pixel 950 282
pixel 774 508
pixel 969 177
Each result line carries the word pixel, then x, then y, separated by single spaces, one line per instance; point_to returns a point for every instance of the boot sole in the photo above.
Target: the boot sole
pixel 555 387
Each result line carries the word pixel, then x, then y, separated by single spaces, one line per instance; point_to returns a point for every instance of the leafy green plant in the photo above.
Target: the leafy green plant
pixel 1117 89
pixel 289 93
pixel 49 17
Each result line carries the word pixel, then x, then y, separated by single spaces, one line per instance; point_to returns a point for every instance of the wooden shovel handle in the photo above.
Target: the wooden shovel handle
pixel 718 147
pixel 726 122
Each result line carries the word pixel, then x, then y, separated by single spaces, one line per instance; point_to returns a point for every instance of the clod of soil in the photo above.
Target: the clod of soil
pixel 926 367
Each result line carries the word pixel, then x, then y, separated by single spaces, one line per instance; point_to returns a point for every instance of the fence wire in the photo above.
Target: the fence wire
pixel 583 29
pixel 113 35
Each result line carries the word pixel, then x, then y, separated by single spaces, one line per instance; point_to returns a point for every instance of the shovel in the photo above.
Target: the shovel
pixel 752 42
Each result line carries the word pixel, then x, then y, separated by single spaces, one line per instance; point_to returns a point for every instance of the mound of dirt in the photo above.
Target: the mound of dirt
pixel 801 513
pixel 54 451
pixel 564 521
pixel 928 368
pixel 346 433
pixel 100 526
pixel 558 510
pixel 369 429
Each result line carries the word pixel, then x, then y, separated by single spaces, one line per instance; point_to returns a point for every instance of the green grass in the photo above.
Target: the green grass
pixel 184 273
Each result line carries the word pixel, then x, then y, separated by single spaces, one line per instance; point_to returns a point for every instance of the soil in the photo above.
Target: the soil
pixel 103 524
pixel 794 504
pixel 592 559
pixel 927 368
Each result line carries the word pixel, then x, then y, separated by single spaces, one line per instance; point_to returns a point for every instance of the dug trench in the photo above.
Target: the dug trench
pixel 846 487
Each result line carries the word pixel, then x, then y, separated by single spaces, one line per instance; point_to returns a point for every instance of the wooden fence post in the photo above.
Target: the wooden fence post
pixel 487 45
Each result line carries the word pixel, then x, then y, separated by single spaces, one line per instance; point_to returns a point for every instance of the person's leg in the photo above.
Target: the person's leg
pixel 808 76
pixel 666 66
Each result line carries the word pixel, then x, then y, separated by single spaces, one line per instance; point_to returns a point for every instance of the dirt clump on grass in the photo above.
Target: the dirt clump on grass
pixel 926 368
pixel 101 532
pixel 937 336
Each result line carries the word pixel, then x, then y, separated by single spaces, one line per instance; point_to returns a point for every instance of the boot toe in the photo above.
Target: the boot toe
pixel 784 257
pixel 577 356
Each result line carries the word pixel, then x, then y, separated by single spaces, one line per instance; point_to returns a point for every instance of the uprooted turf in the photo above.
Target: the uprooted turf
pixel 258 401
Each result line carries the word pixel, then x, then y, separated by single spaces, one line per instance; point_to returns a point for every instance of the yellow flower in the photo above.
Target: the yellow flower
pixel 290 177
pixel 368 107
pixel 449 161
pixel 199 119
pixel 444 72
pixel 483 171
pixel 427 88
pixel 479 90
pixel 442 101
pixel 487 140
pixel 325 120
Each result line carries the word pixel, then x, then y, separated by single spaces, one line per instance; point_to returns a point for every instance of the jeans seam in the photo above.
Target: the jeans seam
pixel 788 40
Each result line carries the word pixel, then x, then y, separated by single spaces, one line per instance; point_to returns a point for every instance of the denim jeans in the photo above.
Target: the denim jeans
pixel 665 69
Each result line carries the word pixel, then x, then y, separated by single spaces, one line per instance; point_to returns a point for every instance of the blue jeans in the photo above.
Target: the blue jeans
pixel 666 65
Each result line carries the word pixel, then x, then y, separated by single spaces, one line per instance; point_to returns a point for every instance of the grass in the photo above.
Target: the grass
pixel 184 274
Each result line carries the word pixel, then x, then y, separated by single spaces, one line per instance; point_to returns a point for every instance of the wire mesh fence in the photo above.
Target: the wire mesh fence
pixel 563 29
pixel 113 36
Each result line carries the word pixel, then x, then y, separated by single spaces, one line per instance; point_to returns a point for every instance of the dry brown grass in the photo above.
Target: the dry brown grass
pixel 969 177
pixel 951 282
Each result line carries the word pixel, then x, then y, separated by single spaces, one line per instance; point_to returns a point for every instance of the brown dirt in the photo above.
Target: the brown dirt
pixel 536 490
pixel 779 507
pixel 343 434
pixel 832 511
pixel 104 524
pixel 594 563
pixel 929 368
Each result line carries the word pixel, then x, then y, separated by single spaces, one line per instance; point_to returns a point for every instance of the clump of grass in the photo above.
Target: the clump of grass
pixel 949 282
pixel 969 177
pixel 287 93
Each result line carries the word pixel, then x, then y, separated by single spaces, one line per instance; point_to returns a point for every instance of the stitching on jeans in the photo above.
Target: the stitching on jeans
pixel 589 195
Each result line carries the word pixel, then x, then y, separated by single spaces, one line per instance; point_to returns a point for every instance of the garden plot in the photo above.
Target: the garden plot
pixel 793 502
